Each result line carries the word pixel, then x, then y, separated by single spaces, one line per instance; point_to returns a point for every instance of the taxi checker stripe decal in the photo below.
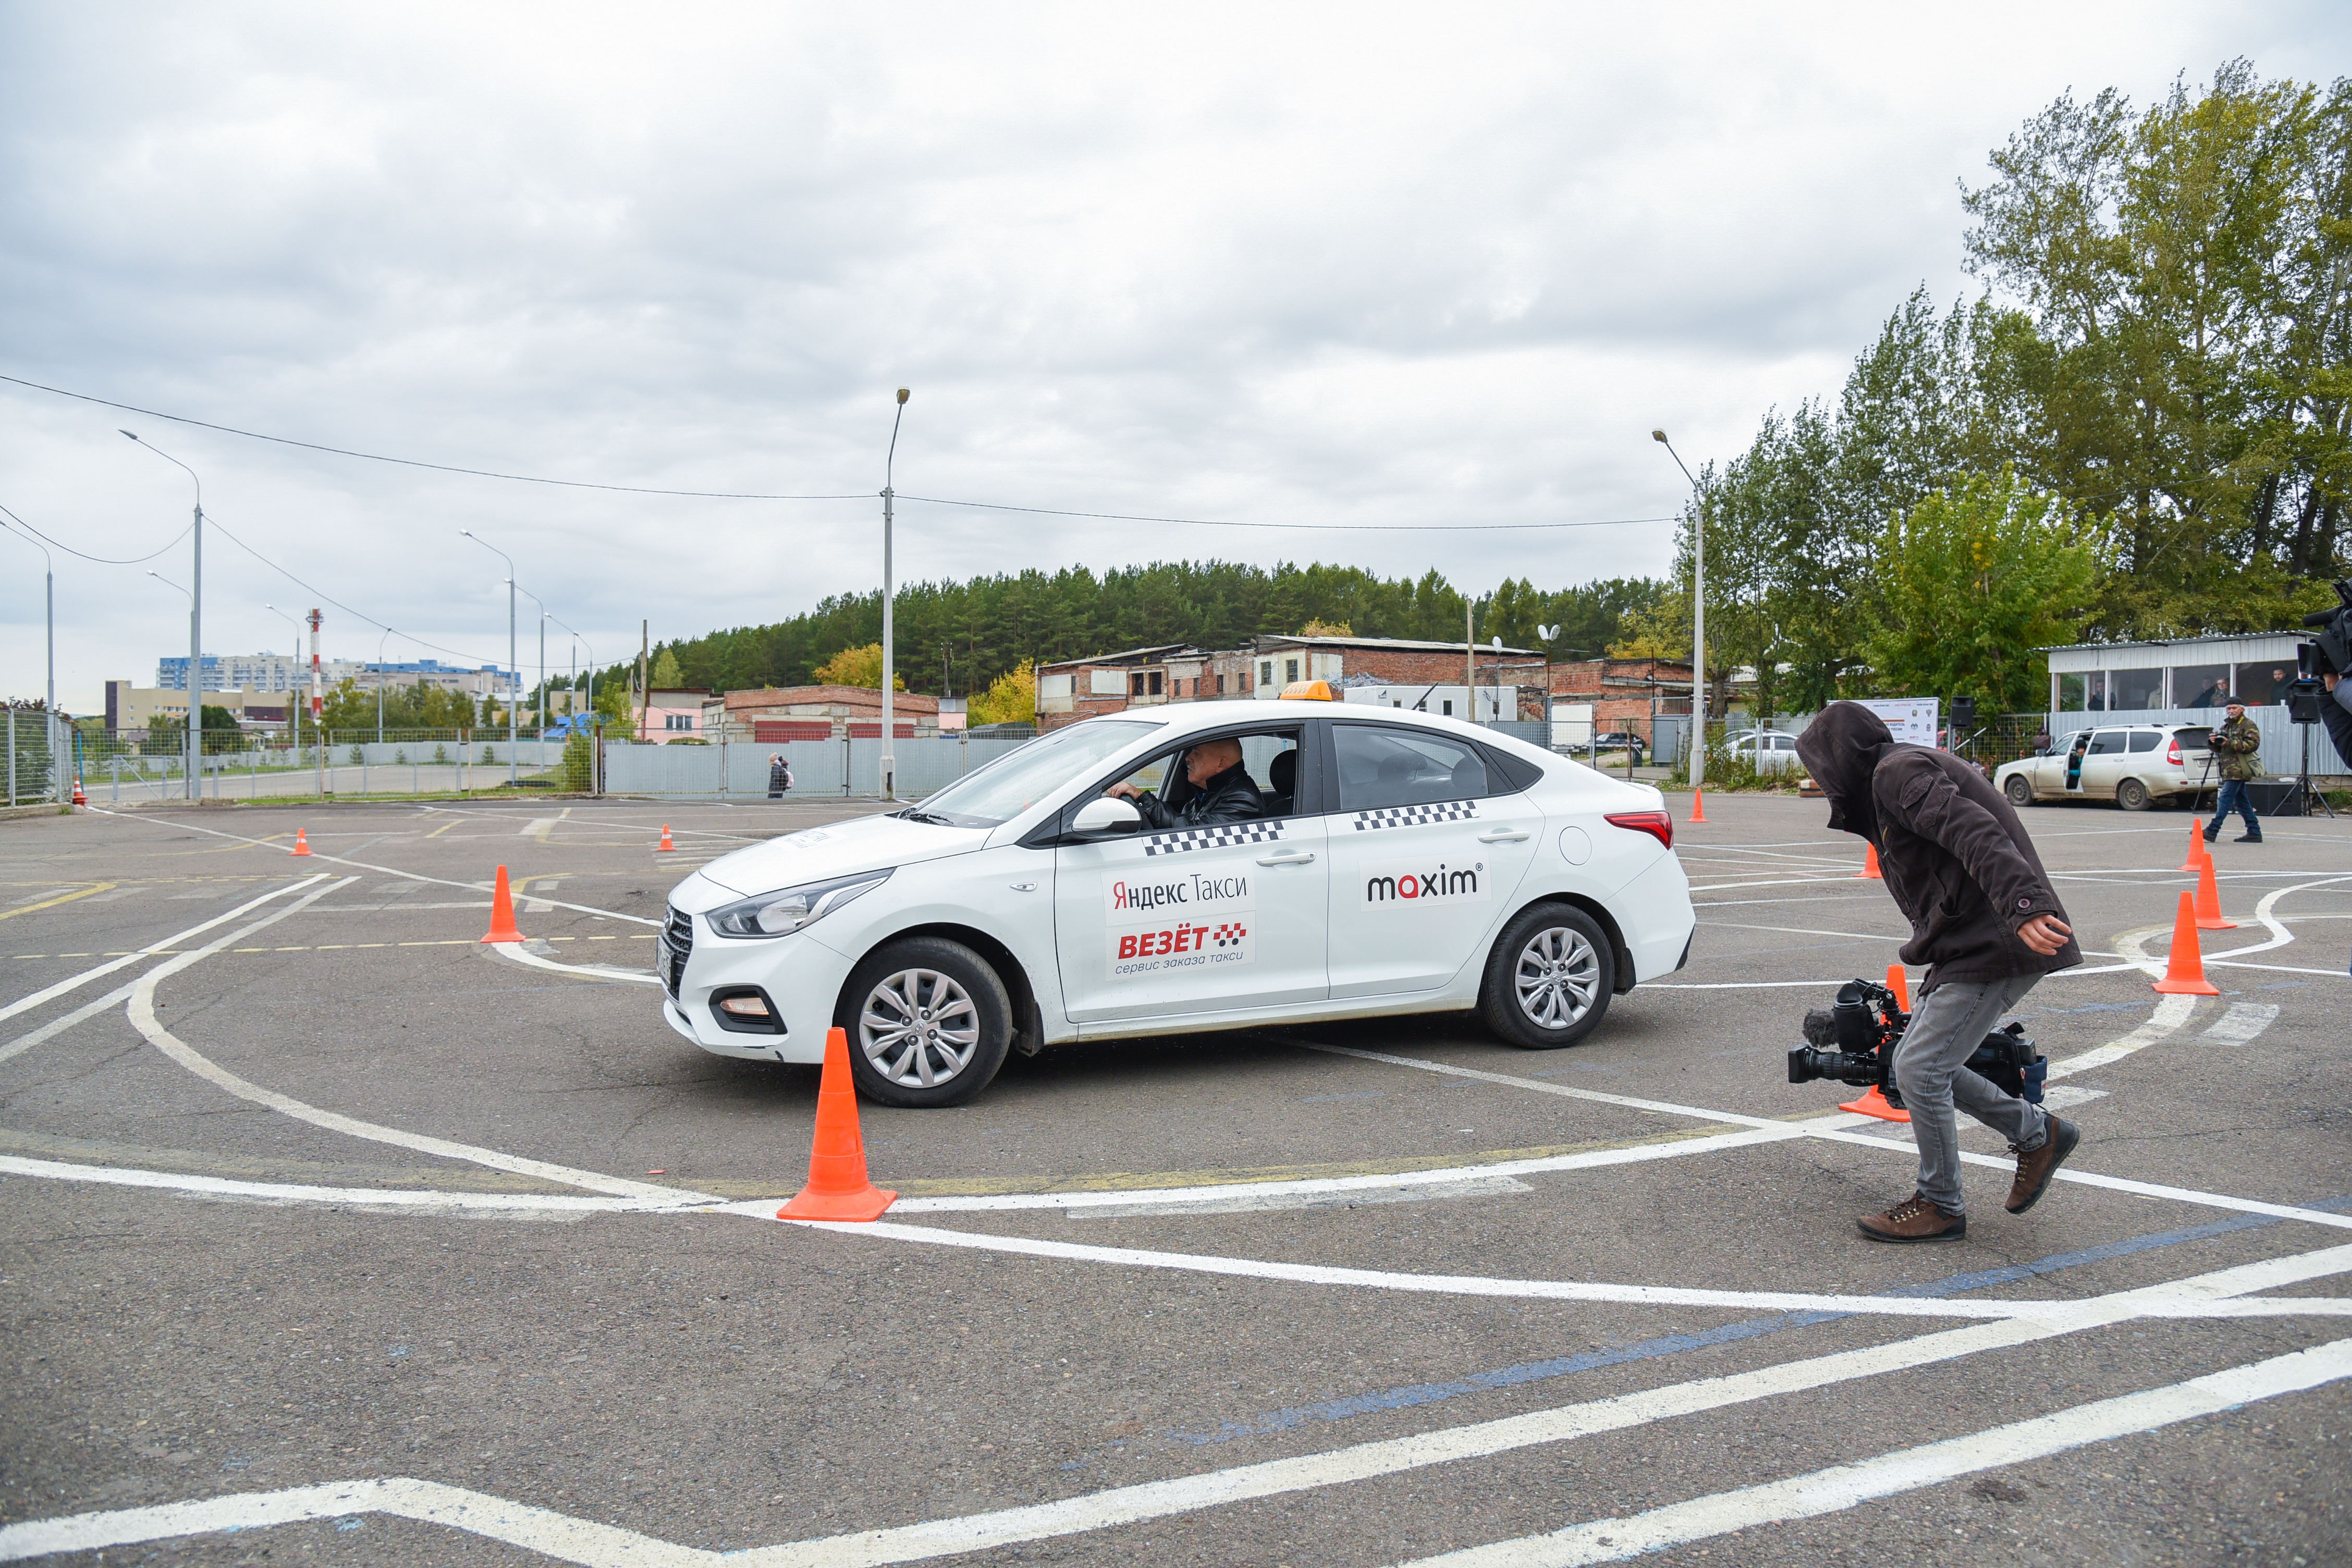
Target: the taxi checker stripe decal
pixel 1221 835
pixel 1415 816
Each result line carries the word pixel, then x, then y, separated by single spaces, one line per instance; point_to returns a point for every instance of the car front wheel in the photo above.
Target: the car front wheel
pixel 2020 790
pixel 928 1023
pixel 1548 979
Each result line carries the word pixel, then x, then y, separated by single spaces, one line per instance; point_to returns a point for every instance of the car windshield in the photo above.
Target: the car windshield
pixel 1020 779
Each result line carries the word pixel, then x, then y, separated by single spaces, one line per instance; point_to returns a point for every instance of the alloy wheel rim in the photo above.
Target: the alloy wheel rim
pixel 1556 977
pixel 918 1028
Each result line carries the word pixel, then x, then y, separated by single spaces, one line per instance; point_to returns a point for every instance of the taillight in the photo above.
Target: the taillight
pixel 2172 752
pixel 1657 824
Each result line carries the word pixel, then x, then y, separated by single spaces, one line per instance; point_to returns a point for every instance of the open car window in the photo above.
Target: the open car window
pixel 1270 757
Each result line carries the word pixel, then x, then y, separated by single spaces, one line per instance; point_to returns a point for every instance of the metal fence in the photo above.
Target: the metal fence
pixel 820 768
pixel 27 756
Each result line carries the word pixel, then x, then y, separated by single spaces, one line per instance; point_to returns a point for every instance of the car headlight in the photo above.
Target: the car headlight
pixel 783 913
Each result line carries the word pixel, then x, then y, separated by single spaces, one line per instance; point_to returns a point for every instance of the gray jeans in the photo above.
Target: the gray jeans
pixel 1951 1021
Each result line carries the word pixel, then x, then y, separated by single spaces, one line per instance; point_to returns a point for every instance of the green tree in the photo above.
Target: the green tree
pixel 666 676
pixel 1011 699
pixel 1972 581
pixel 857 667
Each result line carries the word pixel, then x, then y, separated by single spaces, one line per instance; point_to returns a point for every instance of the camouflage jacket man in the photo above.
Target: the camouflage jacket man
pixel 2237 747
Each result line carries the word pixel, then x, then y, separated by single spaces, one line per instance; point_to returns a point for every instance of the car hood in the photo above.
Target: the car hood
pixel 837 849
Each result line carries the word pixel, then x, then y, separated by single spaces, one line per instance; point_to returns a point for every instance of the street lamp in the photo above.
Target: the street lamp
pixel 1698 616
pixel 49 602
pixel 196 617
pixel 889 665
pixel 293 697
pixel 510 646
pixel 542 664
pixel 196 697
pixel 574 727
pixel 379 684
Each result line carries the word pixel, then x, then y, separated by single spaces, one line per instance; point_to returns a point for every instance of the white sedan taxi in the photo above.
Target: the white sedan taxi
pixel 1385 863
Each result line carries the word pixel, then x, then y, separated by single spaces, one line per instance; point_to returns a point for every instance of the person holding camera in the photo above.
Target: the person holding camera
pixel 1983 918
pixel 2236 747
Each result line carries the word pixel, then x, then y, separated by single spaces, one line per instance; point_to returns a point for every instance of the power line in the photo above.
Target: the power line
pixel 329 598
pixel 413 462
pixel 101 559
pixel 751 495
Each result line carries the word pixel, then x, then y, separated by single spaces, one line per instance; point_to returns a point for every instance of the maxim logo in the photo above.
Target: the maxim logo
pixel 1398 884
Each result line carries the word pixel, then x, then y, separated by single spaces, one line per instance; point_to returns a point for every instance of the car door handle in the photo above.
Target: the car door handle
pixel 1503 836
pixel 1288 857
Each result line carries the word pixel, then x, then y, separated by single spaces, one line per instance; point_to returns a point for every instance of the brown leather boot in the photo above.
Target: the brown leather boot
pixel 2036 1166
pixel 1914 1219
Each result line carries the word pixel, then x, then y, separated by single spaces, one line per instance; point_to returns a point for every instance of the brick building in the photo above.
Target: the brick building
pixel 1625 693
pixel 1428 672
pixel 772 714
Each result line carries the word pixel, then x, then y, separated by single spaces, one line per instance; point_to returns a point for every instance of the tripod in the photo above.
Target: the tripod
pixel 2305 794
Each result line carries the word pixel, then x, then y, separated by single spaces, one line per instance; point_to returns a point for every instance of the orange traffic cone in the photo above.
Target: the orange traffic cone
pixel 1874 1104
pixel 2198 853
pixel 2184 974
pixel 502 926
pixel 2208 901
pixel 1869 872
pixel 664 843
pixel 301 842
pixel 1698 803
pixel 79 799
pixel 838 1186
pixel 1900 983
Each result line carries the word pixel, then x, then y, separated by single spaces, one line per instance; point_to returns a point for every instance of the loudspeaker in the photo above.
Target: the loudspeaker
pixel 1964 713
pixel 2278 797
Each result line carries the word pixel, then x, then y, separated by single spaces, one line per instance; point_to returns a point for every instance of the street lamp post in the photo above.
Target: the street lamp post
pixel 890 663
pixel 49 609
pixel 1698 616
pixel 379 684
pixel 542 665
pixel 574 727
pixel 196 697
pixel 195 622
pixel 293 698
pixel 515 674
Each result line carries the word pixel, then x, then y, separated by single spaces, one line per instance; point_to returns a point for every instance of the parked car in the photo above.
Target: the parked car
pixel 2135 765
pixel 1621 741
pixel 1403 863
pixel 1770 750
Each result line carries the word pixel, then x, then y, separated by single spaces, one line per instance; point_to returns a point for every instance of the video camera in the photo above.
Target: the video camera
pixel 1853 1040
pixel 2329 653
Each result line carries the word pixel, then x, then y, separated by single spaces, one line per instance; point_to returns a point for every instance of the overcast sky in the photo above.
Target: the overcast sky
pixel 1343 265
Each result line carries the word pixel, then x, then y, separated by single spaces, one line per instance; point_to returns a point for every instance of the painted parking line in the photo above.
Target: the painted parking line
pixel 1841 1487
pixel 594 1545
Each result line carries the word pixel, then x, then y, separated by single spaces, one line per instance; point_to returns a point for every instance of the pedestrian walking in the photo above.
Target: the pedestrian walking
pixel 779 776
pixel 2237 744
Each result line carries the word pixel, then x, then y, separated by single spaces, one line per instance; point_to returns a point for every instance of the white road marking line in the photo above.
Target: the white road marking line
pixel 387 870
pixel 539 827
pixel 1549 1290
pixel 515 951
pixel 2172 1013
pixel 343 1197
pixel 2242 1024
pixel 1841 1487
pixel 1809 930
pixel 56 1026
pixel 599 1546
pixel 1823 1128
pixel 76 982
pixel 1148 1203
pixel 1743 985
pixel 143 1019
pixel 2058 1096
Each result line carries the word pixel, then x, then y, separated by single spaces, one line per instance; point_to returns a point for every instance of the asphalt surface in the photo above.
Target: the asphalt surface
pixel 474 1249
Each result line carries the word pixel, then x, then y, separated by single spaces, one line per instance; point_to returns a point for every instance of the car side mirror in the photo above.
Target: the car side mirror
pixel 1105 815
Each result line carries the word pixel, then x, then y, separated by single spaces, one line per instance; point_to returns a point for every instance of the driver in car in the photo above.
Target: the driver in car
pixel 1222 790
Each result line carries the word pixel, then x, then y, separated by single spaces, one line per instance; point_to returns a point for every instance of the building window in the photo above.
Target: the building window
pixel 1289 670
pixel 2201 686
pixel 1221 686
pixel 2264 685
pixel 1449 707
pixel 678 720
pixel 1135 685
pixel 1155 683
pixel 1266 672
pixel 2130 690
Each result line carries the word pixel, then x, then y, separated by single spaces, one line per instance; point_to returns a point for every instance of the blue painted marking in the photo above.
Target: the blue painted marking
pixel 1672 1344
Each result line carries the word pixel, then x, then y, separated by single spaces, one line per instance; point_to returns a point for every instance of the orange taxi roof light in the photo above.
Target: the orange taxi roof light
pixel 1311 690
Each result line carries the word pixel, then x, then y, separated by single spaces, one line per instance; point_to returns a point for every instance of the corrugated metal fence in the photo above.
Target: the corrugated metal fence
pixel 820 768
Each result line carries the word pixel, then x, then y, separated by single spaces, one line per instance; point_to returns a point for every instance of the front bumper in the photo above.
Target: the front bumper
pixel 801 976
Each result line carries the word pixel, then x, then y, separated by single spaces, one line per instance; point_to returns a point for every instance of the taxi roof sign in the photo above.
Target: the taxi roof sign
pixel 1312 690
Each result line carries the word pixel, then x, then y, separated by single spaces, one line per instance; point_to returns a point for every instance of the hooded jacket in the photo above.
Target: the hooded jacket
pixel 1955 856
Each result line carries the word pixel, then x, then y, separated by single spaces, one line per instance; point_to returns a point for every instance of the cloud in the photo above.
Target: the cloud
pixel 1335 265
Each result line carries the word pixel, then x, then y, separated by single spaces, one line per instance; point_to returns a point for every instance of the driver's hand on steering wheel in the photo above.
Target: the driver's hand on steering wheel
pixel 1124 791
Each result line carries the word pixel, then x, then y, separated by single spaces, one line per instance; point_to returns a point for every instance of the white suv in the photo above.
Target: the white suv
pixel 2134 766
pixel 1403 863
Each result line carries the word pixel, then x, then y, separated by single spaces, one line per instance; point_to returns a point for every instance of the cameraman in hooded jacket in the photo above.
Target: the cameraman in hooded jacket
pixel 1983 918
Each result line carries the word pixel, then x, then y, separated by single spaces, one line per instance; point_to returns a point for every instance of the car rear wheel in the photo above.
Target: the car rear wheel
pixel 2131 795
pixel 2020 790
pixel 1548 979
pixel 928 1023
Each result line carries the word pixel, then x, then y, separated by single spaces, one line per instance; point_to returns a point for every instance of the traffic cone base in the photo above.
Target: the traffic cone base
pixel 1900 983
pixel 837 1187
pixel 301 842
pixel 2208 901
pixel 1874 1104
pixel 1698 803
pixel 2184 972
pixel 502 921
pixel 1870 872
pixel 664 843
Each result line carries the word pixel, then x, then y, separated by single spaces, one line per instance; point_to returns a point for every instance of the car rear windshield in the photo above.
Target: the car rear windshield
pixel 1016 781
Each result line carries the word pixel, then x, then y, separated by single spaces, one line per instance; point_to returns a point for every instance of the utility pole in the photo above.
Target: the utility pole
pixel 645 692
pixel 890 662
pixel 318 702
pixel 1698 614
pixel 1469 656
